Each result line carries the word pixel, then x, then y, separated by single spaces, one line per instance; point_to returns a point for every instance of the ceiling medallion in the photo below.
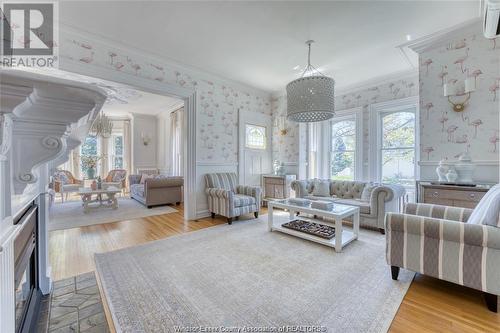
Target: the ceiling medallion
pixel 310 98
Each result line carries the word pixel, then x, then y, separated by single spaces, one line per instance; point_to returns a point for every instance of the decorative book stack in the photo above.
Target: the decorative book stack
pixel 323 205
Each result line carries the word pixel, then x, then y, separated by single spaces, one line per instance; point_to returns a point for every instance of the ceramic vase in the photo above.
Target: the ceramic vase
pixel 442 169
pixel 91 173
pixel 465 168
pixel 451 175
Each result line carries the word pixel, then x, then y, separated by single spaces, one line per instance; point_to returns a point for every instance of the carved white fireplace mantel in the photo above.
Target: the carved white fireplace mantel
pixel 41 119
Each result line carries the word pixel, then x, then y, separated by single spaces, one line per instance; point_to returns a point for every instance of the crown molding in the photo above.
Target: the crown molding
pixel 443 36
pixel 377 81
pixel 199 73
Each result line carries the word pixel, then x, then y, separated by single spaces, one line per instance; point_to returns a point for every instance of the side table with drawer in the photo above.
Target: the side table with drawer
pixel 276 186
pixel 451 195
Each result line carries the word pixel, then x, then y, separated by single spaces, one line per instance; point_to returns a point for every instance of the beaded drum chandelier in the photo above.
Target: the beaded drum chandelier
pixel 310 97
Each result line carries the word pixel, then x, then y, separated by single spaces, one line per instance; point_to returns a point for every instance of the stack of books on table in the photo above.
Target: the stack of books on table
pixel 299 201
pixel 323 205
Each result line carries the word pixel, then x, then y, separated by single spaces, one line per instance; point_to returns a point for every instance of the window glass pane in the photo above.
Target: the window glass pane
pixel 398 166
pixel 118 145
pixel 344 135
pixel 255 137
pixel 398 130
pixel 343 166
pixel 89 146
pixel 118 162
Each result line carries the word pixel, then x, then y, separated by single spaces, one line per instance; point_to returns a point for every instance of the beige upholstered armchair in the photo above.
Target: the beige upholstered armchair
pixel 64 182
pixel 117 178
pixel 228 199
pixel 437 241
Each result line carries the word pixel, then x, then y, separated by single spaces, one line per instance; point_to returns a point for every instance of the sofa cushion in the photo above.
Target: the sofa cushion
pixel 488 209
pixel 137 189
pixel 364 206
pixel 241 200
pixel 347 189
pixel 321 188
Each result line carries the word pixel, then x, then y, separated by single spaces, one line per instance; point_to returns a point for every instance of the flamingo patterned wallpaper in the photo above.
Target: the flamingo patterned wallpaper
pixel 219 100
pixel 286 148
pixel 445 134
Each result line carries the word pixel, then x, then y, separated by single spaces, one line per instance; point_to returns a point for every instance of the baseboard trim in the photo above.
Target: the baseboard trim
pixel 202 214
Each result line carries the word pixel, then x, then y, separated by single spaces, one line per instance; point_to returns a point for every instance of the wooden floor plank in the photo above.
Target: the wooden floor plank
pixel 429 306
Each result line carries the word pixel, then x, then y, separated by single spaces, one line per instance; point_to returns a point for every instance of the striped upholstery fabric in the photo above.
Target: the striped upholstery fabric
pixel 228 199
pixel 226 180
pixel 433 240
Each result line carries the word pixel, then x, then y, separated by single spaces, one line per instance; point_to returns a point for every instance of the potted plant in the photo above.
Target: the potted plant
pixel 89 163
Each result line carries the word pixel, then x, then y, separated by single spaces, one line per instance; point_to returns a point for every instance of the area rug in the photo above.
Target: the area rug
pixel 70 214
pixel 243 276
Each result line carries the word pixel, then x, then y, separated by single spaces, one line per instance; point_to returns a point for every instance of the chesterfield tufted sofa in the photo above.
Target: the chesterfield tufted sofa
pixel 228 199
pixel 156 191
pixel 373 200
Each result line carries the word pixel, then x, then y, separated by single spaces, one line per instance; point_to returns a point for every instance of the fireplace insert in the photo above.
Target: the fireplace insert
pixel 27 291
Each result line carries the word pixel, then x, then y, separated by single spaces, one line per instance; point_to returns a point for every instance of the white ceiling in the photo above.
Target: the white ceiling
pixel 259 43
pixel 122 101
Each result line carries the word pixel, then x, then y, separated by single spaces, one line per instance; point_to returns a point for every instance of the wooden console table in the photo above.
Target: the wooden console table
pixel 276 187
pixel 451 195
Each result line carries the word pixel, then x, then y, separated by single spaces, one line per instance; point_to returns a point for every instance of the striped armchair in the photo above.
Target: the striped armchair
pixel 436 241
pixel 228 199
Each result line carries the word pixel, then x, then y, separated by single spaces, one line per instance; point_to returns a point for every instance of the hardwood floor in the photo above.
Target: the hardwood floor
pixel 429 306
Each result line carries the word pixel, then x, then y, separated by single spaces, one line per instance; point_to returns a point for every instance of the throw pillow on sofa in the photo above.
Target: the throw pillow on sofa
pixel 146 176
pixel 321 188
pixel 488 209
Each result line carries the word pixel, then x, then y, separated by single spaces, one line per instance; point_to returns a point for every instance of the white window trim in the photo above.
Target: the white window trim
pixel 377 111
pixel 324 149
pixel 349 114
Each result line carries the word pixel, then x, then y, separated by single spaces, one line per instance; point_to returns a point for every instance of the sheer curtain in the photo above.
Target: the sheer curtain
pixel 104 162
pixel 176 121
pixel 127 147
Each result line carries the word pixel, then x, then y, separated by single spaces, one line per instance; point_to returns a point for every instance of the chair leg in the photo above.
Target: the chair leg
pixel 229 220
pixel 491 301
pixel 394 272
pixel 382 231
pixel 256 214
pixel 213 215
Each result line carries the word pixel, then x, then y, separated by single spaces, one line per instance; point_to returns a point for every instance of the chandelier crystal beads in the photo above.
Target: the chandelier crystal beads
pixel 102 126
pixel 310 98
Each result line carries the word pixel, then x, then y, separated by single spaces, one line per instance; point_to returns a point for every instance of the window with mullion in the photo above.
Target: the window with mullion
pixel 343 149
pixel 398 148
pixel 117 151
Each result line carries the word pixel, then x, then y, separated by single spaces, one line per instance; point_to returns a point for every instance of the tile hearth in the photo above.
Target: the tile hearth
pixel 75 306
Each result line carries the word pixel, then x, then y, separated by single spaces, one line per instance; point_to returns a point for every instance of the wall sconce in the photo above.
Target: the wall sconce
pixel 280 123
pixel 450 90
pixel 146 139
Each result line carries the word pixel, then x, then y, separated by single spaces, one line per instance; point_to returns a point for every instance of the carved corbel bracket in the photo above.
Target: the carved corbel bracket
pixel 34 144
pixel 5 135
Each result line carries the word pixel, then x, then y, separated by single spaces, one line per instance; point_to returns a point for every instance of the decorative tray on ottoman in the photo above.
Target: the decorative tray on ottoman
pixel 315 229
